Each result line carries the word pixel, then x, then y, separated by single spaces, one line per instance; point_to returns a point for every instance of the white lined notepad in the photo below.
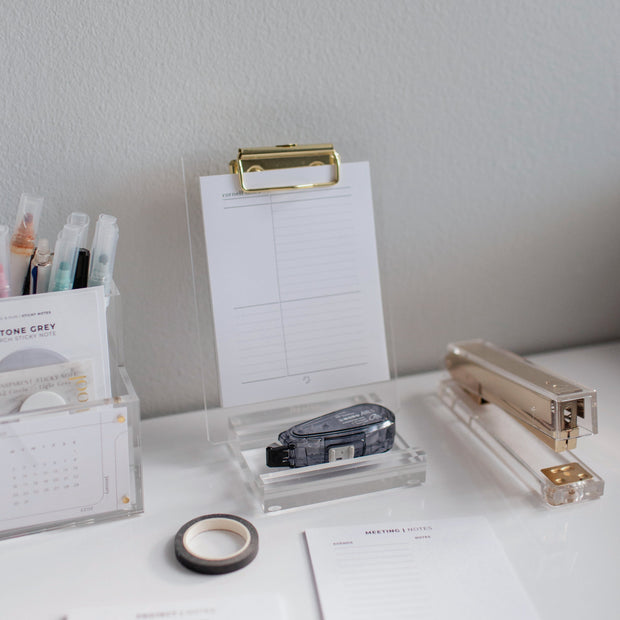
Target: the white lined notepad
pixel 427 570
pixel 295 285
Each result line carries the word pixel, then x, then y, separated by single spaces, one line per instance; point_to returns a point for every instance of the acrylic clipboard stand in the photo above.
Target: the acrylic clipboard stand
pixel 43 452
pixel 248 429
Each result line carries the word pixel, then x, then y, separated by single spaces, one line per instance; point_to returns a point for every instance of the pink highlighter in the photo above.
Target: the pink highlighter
pixel 5 287
pixel 23 240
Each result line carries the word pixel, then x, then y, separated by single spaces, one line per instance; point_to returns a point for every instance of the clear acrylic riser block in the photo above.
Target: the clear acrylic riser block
pixel 39 447
pixel 282 488
pixel 568 479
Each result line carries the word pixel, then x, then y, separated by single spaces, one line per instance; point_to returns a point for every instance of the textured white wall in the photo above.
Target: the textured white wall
pixel 492 128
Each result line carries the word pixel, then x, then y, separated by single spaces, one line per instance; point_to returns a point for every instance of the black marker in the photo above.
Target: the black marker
pixel 81 270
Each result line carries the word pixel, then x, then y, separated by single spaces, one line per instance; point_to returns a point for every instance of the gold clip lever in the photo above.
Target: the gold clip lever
pixel 285 156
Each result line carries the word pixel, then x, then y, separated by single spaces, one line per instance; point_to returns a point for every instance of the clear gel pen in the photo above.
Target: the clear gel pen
pixel 23 240
pixel 65 258
pixel 103 252
pixel 41 268
pixel 5 283
pixel 81 269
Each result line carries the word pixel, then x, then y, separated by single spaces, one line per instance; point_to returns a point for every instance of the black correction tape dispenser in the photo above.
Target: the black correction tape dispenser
pixel 348 433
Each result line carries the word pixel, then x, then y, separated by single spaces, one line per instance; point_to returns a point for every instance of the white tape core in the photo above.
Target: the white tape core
pixel 221 524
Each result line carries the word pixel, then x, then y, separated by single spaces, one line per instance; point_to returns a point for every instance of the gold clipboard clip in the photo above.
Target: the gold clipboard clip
pixel 285 156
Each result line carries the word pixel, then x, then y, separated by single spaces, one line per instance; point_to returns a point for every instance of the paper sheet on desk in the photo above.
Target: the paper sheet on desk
pixel 294 284
pixel 261 607
pixel 451 568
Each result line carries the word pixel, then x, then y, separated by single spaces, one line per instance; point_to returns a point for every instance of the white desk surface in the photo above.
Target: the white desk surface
pixel 568 558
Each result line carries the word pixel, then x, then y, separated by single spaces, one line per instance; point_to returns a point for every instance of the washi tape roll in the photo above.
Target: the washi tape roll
pixel 186 553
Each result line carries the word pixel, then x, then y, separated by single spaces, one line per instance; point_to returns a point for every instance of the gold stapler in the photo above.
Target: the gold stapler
pixel 556 410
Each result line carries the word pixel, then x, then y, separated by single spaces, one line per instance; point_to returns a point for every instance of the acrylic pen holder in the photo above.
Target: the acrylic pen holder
pixel 71 465
pixel 249 427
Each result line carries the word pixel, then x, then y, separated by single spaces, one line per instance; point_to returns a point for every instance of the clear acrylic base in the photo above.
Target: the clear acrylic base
pixel 283 488
pixel 559 477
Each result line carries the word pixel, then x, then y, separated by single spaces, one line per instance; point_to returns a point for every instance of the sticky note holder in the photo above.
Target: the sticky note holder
pixel 70 465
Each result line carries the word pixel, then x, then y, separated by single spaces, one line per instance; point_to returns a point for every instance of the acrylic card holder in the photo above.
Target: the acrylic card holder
pixel 291 320
pixel 69 443
pixel 528 416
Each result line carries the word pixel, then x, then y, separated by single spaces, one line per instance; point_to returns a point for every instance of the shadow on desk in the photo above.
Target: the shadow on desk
pixel 459 462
